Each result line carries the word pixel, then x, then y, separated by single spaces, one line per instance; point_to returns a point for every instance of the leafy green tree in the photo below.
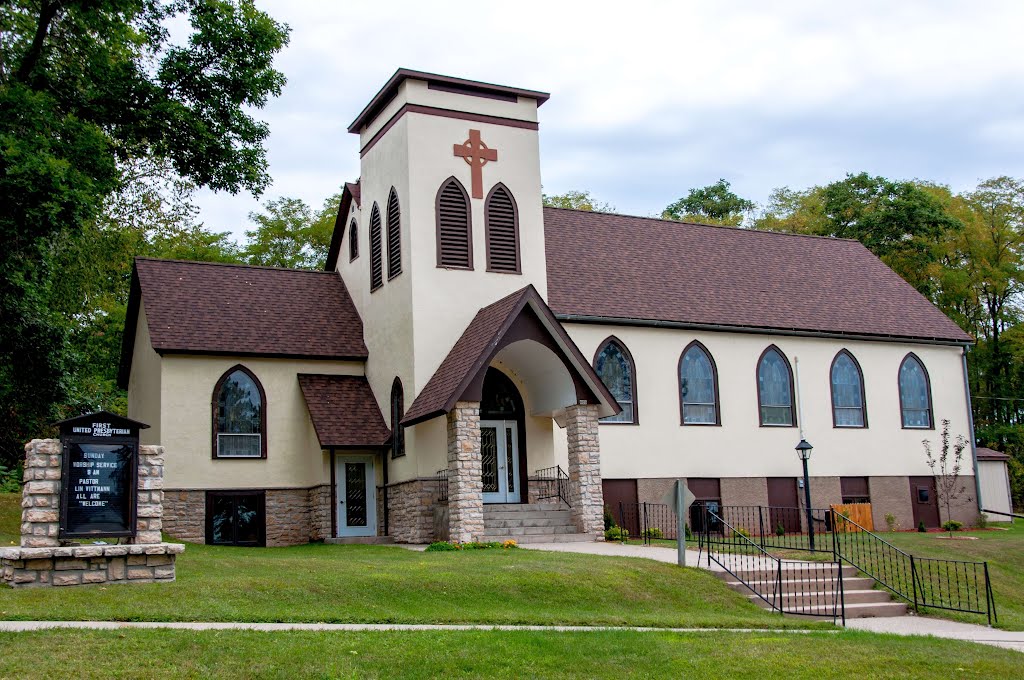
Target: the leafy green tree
pixel 576 200
pixel 713 204
pixel 86 86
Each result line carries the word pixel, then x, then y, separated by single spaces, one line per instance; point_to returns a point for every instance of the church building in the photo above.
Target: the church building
pixel 472 365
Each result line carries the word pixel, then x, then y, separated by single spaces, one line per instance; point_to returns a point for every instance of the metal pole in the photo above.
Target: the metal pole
pixel 680 525
pixel 807 501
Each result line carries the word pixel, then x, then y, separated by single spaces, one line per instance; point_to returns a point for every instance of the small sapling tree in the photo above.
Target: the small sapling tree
pixel 949 488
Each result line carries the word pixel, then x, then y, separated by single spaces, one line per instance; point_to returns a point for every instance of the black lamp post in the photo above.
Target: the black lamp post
pixel 803 450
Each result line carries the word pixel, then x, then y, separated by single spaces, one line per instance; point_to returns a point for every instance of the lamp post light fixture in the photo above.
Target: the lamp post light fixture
pixel 803 450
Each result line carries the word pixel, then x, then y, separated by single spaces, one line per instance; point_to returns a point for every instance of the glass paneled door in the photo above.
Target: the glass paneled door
pixel 499 453
pixel 356 495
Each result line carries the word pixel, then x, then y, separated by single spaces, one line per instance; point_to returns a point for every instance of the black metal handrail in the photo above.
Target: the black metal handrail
pixel 1004 514
pixel 781 527
pixel 441 478
pixel 955 585
pixel 553 482
pixel 810 589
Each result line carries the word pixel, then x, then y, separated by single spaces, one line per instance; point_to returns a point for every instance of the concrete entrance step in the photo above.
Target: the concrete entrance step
pixel 861 610
pixel 557 521
pixel 523 507
pixel 541 514
pixel 796 572
pixel 529 531
pixel 826 597
pixel 360 540
pixel 543 538
pixel 850 583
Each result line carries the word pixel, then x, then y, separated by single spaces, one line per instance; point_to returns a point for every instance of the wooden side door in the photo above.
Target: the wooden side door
pixel 785 508
pixel 622 491
pixel 924 501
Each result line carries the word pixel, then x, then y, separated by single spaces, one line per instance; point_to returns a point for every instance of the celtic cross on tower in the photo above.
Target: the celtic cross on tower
pixel 476 154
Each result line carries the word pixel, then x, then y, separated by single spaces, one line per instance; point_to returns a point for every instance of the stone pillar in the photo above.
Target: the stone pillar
pixel 585 491
pixel 149 503
pixel 465 481
pixel 40 497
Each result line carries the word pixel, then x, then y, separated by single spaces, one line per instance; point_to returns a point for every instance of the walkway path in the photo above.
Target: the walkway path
pixel 898 625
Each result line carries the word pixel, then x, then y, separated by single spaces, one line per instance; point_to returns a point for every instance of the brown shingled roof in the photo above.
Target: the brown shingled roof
pixel 344 411
pixel 476 347
pixel 613 266
pixel 990 454
pixel 212 308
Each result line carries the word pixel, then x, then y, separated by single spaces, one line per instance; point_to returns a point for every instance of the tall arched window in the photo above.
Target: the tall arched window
pixel 698 386
pixel 376 254
pixel 915 394
pixel 394 236
pixel 848 408
pixel 775 389
pixel 615 367
pixel 353 240
pixel 397 413
pixel 454 226
pixel 239 416
pixel 501 228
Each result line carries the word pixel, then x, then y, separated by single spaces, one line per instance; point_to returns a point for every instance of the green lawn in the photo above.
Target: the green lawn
pixel 335 583
pixel 497 654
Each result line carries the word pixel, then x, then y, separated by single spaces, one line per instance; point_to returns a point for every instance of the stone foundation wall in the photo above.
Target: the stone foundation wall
pixel 411 510
pixel 320 512
pixel 88 564
pixel 891 495
pixel 185 515
pixel 585 490
pixel 287 517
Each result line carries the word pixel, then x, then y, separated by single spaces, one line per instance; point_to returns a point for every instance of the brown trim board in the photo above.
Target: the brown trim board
pixel 445 113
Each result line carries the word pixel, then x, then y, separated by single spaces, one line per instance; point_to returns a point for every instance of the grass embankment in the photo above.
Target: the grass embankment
pixel 368 584
pixel 496 654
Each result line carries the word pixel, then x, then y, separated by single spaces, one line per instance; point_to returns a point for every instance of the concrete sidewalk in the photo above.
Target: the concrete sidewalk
pixel 897 625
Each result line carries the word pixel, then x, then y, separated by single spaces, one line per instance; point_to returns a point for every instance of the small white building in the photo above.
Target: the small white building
pixel 466 348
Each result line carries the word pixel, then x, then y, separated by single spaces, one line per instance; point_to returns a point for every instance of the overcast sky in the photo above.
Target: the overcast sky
pixel 650 99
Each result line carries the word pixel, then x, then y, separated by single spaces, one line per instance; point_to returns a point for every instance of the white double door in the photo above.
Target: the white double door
pixel 499 454
pixel 356 494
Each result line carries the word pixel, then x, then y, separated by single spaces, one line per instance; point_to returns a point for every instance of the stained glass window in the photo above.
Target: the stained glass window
pixel 775 389
pixel 697 388
pixel 239 416
pixel 615 369
pixel 915 396
pixel 847 392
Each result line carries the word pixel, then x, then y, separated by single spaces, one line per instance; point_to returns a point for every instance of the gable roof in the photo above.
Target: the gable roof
pixel 344 411
pixel 241 310
pixel 983 453
pixel 350 194
pixel 615 268
pixel 479 343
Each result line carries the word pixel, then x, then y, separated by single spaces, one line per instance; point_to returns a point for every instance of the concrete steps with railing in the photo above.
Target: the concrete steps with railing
pixel 815 596
pixel 531 523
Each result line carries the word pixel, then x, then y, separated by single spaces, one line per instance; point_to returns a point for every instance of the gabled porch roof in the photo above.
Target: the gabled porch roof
pixel 521 330
pixel 344 411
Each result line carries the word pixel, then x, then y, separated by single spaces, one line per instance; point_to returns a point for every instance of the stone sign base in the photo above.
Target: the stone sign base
pixel 88 564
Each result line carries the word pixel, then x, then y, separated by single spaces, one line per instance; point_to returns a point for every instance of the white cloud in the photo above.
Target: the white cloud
pixel 653 98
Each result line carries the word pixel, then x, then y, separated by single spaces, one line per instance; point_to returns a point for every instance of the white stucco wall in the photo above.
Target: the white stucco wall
pixel 144 383
pixel 660 447
pixel 294 458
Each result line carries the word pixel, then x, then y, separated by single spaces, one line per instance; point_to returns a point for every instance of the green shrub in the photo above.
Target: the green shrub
pixel 780 530
pixel 740 531
pixel 10 479
pixel 953 525
pixel 616 534
pixel 689 534
pixel 653 532
pixel 920 527
pixel 609 520
pixel 982 521
pixel 890 521
pixel 442 546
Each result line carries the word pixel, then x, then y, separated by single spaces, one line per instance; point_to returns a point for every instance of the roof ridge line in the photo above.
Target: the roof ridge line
pixel 703 224
pixel 236 265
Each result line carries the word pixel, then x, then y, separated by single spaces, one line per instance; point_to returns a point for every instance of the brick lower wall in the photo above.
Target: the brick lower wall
pixel 744 491
pixel 891 495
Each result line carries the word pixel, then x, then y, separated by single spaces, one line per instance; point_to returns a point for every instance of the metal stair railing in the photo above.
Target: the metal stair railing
pixel 809 589
pixel 954 585
pixel 554 483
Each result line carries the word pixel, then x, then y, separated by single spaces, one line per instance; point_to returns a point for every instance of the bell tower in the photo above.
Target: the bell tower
pixel 462 159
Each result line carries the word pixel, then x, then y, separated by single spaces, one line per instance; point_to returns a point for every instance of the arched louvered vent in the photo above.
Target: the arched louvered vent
pixel 353 241
pixel 376 255
pixel 454 226
pixel 394 236
pixel 502 227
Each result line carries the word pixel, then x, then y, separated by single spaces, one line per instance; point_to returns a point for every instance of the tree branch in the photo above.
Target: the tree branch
pixel 47 13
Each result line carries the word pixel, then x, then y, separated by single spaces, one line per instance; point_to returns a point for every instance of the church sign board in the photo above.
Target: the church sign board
pixel 99 475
